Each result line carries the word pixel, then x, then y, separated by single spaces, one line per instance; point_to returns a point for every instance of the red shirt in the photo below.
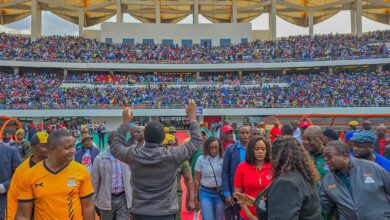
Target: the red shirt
pixel 275 131
pixel 226 144
pixel 247 177
pixel 382 144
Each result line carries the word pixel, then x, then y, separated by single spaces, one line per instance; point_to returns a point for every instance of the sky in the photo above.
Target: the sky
pixel 339 23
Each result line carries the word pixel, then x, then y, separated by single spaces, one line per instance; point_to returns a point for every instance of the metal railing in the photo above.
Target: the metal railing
pixel 177 106
pixel 220 61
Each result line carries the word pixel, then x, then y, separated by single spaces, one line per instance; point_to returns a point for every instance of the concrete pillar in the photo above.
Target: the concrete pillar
pixel 272 21
pixel 353 20
pixel 330 69
pixel 196 12
pixel 119 14
pixel 234 12
pixel 36 20
pixel 197 75
pixel 379 68
pixel 311 23
pixel 284 71
pixel 111 72
pixel 358 7
pixel 81 22
pixel 16 70
pixel 158 17
pixel 240 74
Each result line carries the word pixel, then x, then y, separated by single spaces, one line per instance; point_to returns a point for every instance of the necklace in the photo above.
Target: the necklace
pixel 260 174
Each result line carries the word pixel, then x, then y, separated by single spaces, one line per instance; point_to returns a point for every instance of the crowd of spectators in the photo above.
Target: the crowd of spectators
pixel 296 48
pixel 308 89
pixel 174 78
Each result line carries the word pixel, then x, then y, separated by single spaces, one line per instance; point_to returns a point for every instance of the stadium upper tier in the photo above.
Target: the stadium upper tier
pixel 218 11
pixel 42 91
pixel 298 48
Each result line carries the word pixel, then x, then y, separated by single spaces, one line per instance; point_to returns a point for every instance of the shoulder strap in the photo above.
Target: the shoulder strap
pixel 215 177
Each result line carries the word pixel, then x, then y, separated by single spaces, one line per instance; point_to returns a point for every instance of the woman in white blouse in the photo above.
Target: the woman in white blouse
pixel 208 180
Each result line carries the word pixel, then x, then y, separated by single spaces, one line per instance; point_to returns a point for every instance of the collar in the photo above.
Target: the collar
pixel 239 145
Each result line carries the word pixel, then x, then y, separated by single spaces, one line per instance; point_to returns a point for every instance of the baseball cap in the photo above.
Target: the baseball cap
pixel 172 129
pixel 39 138
pixel 166 129
pixel 304 124
pixel 226 128
pixel 353 123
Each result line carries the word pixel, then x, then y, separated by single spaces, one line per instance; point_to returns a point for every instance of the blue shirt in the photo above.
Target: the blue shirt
pixel 242 151
pixel 380 160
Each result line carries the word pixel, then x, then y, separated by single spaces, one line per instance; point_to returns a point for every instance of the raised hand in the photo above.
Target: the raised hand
pixel 191 110
pixel 127 115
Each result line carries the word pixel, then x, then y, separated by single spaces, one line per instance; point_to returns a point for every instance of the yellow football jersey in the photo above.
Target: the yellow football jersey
pixel 56 195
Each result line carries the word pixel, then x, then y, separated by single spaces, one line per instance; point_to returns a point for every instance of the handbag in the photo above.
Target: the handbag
pixel 220 191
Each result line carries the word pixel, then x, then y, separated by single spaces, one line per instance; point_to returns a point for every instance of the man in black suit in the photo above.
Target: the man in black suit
pixel 9 161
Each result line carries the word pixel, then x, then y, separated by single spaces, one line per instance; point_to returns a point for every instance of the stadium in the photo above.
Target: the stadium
pixel 236 75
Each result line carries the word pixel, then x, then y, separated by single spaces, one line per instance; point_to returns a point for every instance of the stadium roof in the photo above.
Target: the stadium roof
pixel 218 11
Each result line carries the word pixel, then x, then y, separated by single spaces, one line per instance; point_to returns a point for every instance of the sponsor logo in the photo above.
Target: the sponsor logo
pixel 71 182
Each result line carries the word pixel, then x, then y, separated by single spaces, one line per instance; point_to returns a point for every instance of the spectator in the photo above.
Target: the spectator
pixel 84 133
pixel 353 183
pixel 111 180
pixel 255 132
pixel 287 130
pixel 101 131
pixel 382 144
pixel 184 170
pixel 154 195
pixel 208 180
pixel 10 160
pixel 21 144
pixel 275 131
pixel 312 141
pixel 38 154
pixel 254 174
pixel 363 148
pixel 7 139
pixel 366 125
pixel 227 136
pixel 353 129
pixel 139 135
pixel 263 131
pixel 87 154
pixel 58 170
pixel 295 176
pixel 330 134
pixel 234 155
pixel 297 131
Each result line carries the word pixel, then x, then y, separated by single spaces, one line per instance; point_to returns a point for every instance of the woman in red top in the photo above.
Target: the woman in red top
pixel 254 174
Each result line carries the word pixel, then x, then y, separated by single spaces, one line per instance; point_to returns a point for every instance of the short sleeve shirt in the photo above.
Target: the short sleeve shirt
pixel 56 195
pixel 207 176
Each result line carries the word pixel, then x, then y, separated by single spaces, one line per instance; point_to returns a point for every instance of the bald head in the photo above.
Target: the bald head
pixel 312 139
